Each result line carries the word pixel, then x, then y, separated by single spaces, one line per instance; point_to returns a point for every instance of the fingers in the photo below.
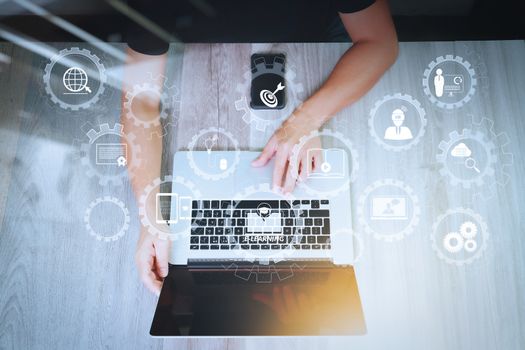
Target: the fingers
pixel 278 305
pixel 263 298
pixel 317 159
pixel 304 302
pixel 305 167
pixel 145 262
pixel 266 154
pixel 151 282
pixel 291 176
pixel 151 259
pixel 290 300
pixel 279 168
pixel 161 257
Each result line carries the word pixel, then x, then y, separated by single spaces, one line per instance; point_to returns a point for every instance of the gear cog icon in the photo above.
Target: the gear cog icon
pixel 394 102
pixel 167 94
pixel 495 157
pixel 341 182
pixel 209 138
pixel 148 211
pixel 465 245
pixel 449 91
pixel 259 118
pixel 73 89
pixel 388 215
pixel 123 229
pixel 98 139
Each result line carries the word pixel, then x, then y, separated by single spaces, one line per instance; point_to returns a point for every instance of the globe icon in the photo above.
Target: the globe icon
pixel 75 80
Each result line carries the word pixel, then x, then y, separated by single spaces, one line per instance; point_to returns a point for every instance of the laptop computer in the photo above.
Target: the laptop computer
pixel 250 252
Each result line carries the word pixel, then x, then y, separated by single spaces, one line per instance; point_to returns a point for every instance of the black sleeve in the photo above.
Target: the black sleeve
pixel 141 39
pixel 350 6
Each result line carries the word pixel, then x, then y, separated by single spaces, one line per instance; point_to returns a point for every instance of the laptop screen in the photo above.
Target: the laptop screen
pixel 253 300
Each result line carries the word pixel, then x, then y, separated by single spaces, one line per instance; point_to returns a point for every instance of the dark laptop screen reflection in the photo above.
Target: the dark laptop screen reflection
pixel 216 302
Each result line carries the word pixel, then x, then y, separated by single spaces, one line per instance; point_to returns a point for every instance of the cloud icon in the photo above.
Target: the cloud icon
pixel 461 150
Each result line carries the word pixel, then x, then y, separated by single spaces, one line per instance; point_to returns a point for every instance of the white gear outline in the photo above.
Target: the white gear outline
pixel 294 171
pixel 246 254
pixel 421 113
pixel 358 238
pixel 483 230
pixel 82 52
pixel 144 218
pixel 249 115
pixel 123 229
pixel 448 58
pixel 93 135
pixel 269 271
pixel 416 210
pixel 198 170
pixel 169 98
pixel 495 148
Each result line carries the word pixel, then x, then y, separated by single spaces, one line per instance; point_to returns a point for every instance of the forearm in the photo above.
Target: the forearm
pixel 357 71
pixel 138 70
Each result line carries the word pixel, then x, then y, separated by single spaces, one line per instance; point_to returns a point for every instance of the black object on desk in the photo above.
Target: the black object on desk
pixel 268 88
pixel 246 299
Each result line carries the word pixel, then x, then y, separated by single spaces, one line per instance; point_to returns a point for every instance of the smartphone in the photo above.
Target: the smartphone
pixel 268 88
pixel 163 208
pixel 185 208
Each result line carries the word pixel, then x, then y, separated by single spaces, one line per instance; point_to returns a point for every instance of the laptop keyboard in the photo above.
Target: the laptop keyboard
pixel 260 224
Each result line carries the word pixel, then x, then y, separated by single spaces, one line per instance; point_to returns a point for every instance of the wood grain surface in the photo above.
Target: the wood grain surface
pixel 61 289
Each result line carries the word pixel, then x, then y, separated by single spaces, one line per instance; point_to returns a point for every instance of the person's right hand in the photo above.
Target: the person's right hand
pixel 151 259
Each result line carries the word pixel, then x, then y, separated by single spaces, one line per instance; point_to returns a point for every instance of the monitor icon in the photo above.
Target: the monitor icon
pixel 111 153
pixel 448 84
pixel 388 208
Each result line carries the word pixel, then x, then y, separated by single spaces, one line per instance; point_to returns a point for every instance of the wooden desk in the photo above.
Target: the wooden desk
pixel 62 289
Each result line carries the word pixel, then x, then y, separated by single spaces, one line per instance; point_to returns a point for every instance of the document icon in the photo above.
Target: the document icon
pixel 109 153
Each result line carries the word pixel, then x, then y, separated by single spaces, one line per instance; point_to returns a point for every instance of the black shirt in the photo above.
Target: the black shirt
pixel 237 21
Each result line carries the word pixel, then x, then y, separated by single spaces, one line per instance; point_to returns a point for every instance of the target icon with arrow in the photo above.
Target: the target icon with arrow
pixel 268 97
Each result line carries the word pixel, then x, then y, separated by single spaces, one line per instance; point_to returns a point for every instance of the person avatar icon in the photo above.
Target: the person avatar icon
pixel 388 210
pixel 439 82
pixel 398 132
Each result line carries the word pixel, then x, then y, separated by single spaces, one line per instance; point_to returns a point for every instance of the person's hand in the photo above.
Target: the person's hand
pixel 289 306
pixel 151 259
pixel 281 145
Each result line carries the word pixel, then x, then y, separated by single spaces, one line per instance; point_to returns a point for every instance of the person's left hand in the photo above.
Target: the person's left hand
pixel 281 145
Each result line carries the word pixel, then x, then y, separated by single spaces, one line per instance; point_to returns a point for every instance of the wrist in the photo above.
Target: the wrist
pixel 318 109
pixel 310 117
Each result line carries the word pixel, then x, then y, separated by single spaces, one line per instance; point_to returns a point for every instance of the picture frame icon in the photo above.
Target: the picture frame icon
pixel 333 164
pixel 388 208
